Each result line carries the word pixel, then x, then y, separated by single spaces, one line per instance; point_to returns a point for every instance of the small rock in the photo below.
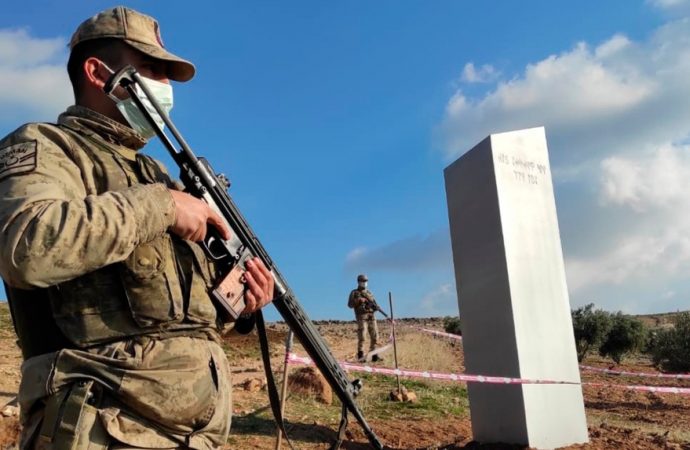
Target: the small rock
pixel 410 396
pixel 10 411
pixel 402 396
pixel 253 385
pixel 309 381
pixel 395 396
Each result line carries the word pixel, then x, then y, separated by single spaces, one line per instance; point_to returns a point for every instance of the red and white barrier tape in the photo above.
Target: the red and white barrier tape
pixel 379 350
pixel 677 376
pixel 430 331
pixel 293 358
pixel 454 337
pixel 662 389
pixel 427 374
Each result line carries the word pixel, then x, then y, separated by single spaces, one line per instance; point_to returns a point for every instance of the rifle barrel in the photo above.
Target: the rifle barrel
pixel 201 181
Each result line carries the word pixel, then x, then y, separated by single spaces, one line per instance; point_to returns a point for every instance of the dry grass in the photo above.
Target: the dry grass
pixel 415 351
pixel 419 351
pixel 6 327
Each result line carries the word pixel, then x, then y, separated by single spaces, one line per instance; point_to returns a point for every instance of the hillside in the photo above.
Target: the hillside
pixel 617 418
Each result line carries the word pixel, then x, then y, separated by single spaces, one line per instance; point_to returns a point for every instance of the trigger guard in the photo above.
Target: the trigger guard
pixel 206 245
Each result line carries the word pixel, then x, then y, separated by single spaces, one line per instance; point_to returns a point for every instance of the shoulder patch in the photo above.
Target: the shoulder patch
pixel 18 159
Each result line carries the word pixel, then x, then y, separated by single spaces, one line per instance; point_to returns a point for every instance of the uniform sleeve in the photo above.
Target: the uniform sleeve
pixel 351 300
pixel 52 231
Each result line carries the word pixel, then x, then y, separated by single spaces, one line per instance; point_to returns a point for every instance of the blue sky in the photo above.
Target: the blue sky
pixel 335 121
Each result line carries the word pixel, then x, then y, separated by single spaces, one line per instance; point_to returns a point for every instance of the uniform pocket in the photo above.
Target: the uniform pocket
pixel 92 308
pixel 180 392
pixel 151 283
pixel 70 422
pixel 201 308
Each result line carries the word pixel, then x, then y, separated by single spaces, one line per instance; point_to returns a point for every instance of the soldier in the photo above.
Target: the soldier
pixel 363 301
pixel 107 286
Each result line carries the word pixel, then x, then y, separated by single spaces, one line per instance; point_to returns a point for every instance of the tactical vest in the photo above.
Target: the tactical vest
pixel 361 309
pixel 161 288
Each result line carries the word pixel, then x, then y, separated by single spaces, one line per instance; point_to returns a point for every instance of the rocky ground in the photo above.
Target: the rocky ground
pixel 617 418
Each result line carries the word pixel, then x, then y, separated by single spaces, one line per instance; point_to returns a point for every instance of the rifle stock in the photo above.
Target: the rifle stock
pixel 201 181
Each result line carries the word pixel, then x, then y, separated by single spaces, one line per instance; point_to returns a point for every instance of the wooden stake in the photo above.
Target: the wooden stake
pixel 395 344
pixel 283 393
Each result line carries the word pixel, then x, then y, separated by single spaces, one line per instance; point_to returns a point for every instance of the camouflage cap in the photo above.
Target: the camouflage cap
pixel 362 277
pixel 139 31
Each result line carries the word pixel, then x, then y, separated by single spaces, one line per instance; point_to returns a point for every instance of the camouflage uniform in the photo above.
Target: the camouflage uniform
pixel 364 316
pixel 119 336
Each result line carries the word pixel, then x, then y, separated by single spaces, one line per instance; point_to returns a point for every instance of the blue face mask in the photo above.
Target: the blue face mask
pixel 163 94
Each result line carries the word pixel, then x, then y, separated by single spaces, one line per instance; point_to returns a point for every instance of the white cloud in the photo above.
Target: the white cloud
pixel 18 48
pixel 635 257
pixel 593 101
pixel 409 254
pixel 647 182
pixel 668 294
pixel 484 74
pixel 439 300
pixel 669 4
pixel 33 77
pixel 355 254
pixel 656 244
pixel 617 118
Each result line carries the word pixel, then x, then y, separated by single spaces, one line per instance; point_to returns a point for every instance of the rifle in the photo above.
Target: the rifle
pixel 372 306
pixel 230 256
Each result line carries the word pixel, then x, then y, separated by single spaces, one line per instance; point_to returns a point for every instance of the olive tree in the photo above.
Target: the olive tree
pixel 590 327
pixel 452 325
pixel 627 335
pixel 670 348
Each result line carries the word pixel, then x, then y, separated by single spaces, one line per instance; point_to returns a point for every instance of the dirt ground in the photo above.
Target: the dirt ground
pixel 617 418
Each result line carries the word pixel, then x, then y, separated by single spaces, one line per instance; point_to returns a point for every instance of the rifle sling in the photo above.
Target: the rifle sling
pixel 270 380
pixel 341 430
pixel 273 396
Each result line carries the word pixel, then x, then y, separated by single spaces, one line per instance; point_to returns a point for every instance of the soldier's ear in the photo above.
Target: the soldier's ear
pixel 95 73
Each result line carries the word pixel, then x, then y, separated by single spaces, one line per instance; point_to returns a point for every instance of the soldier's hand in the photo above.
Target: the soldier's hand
pixel 260 285
pixel 192 216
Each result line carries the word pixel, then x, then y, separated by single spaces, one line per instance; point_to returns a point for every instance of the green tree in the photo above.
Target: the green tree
pixel 670 348
pixel 626 335
pixel 590 327
pixel 452 325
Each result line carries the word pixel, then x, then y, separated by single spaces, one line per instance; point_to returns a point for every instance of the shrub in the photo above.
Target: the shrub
pixel 670 348
pixel 452 325
pixel 626 335
pixel 590 327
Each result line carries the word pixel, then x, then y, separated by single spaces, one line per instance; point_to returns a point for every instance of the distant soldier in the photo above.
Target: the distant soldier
pixel 364 304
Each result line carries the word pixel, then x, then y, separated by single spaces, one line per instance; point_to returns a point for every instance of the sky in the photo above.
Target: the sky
pixel 335 120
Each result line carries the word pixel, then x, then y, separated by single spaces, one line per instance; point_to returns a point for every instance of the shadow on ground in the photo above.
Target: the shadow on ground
pixel 311 433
